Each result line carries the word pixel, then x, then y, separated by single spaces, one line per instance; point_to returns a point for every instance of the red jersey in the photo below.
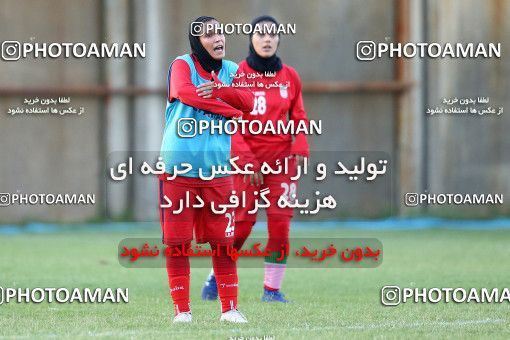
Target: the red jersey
pixel 284 102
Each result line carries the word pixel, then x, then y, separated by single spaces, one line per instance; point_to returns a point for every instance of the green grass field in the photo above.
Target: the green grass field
pixel 327 303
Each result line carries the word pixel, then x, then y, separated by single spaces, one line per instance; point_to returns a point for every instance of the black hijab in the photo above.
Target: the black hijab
pixel 207 62
pixel 256 62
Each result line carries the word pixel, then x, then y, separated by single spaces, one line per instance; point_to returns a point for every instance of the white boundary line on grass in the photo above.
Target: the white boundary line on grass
pixel 175 330
pixel 426 323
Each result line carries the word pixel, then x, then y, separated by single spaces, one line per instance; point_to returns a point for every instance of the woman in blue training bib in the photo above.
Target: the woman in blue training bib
pixel 194 99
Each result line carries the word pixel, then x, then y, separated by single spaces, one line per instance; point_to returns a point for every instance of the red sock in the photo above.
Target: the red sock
pixel 227 290
pixel 278 227
pixel 241 233
pixel 178 280
pixel 179 289
pixel 274 265
pixel 270 289
pixel 226 278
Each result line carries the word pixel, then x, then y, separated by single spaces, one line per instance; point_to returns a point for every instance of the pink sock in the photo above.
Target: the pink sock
pixel 273 275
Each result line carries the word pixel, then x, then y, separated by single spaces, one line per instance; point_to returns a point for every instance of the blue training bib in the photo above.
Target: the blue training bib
pixel 181 142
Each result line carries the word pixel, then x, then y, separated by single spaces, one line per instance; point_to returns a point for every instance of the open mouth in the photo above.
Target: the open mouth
pixel 218 48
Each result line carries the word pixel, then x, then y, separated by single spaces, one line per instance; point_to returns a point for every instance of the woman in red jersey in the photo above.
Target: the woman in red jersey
pixel 194 96
pixel 277 90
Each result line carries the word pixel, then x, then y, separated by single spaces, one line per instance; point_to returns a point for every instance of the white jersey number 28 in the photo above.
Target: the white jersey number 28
pixel 259 107
pixel 289 191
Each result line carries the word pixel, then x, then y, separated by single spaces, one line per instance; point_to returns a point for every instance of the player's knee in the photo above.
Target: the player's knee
pixel 278 230
pixel 177 265
pixel 278 226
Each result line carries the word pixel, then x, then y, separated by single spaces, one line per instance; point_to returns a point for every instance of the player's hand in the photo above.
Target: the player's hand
pixel 215 77
pixel 205 90
pixel 256 178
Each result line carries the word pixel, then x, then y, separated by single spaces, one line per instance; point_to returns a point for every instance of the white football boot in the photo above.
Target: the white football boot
pixel 233 315
pixel 182 317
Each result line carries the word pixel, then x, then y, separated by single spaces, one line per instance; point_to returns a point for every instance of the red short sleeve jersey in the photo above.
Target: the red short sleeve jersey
pixel 282 102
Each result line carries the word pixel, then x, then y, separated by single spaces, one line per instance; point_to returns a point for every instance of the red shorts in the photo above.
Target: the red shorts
pixel 278 185
pixel 208 226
